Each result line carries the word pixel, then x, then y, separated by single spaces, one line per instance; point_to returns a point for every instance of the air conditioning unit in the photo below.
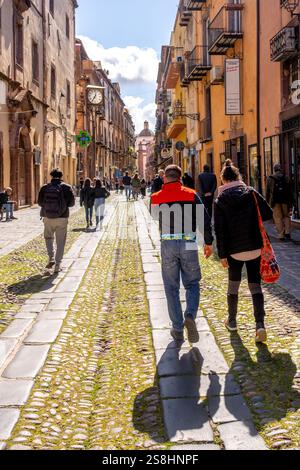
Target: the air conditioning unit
pixel 217 75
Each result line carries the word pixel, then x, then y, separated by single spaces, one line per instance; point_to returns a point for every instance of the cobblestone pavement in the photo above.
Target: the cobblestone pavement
pixel 17 233
pixel 82 367
pixel 288 254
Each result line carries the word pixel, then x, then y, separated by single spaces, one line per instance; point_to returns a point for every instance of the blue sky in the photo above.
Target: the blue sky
pixel 127 35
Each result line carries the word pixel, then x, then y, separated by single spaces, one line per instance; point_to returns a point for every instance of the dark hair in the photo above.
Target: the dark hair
pixel 174 172
pixel 56 173
pixel 87 183
pixel 98 184
pixel 206 168
pixel 230 172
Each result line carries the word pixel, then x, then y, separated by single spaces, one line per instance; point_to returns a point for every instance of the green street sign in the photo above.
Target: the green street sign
pixel 83 139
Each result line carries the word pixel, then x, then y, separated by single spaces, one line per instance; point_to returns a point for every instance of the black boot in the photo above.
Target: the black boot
pixel 231 323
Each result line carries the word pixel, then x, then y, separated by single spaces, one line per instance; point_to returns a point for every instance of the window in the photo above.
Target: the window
pixel 35 62
pixel 68 94
pixel 51 7
pixel 67 27
pixel 19 42
pixel 53 82
pixel 271 153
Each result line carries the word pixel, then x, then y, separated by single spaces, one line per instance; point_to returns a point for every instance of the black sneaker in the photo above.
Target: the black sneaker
pixel 231 325
pixel 177 336
pixel 261 333
pixel 190 324
pixel 50 265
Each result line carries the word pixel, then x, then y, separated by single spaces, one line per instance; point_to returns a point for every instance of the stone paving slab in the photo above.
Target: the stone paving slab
pixel 60 303
pixel 44 332
pixel 35 308
pixel 228 408
pixel 173 361
pixel 14 392
pixel 198 386
pixel 53 315
pixel 6 348
pixel 154 279
pixel 187 420
pixel 26 316
pixel 27 362
pixel 17 328
pixel 69 284
pixel 241 436
pixel 152 267
pixel 8 420
pixel 193 447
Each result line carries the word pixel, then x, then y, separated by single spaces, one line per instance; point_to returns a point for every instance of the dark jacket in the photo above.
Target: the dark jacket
pixel 127 180
pixel 188 182
pixel 175 194
pixel 157 185
pixel 87 197
pixel 287 197
pixel 101 193
pixel 207 183
pixel 236 220
pixel 3 198
pixel 68 195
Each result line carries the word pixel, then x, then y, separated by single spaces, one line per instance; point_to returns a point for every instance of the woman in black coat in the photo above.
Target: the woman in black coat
pixel 239 242
pixel 87 199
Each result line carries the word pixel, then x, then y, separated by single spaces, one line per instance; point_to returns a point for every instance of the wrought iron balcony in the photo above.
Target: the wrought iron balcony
pixel 205 130
pixel 174 66
pixel 225 29
pixel 195 5
pixel 184 14
pixel 198 63
pixel 284 44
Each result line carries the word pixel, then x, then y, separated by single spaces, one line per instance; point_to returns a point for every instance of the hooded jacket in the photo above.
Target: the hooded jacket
pixel 236 220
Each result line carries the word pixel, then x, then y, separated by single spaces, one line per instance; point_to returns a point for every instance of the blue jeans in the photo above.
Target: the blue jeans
pixel 89 214
pixel 178 261
pixel 9 208
pixel 128 192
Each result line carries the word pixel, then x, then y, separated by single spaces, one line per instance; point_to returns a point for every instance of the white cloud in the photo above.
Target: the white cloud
pixel 140 112
pixel 130 64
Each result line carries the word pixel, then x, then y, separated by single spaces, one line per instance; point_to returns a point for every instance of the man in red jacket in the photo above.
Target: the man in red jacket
pixel 177 209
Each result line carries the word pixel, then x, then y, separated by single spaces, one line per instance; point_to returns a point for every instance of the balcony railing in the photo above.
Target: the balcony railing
pixel 198 63
pixel 174 66
pixel 195 5
pixel 205 130
pixel 284 45
pixel 225 29
pixel 184 14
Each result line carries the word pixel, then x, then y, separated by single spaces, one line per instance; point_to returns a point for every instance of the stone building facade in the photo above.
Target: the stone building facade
pixel 144 146
pixel 37 94
pixel 109 125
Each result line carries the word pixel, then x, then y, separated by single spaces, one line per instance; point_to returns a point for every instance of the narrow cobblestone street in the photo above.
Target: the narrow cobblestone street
pixel 87 360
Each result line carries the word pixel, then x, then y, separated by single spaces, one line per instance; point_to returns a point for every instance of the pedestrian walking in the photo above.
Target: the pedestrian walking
pixel 143 188
pixel 188 181
pixel 240 243
pixel 87 199
pixel 7 205
pixel 280 198
pixel 117 185
pixel 100 194
pixel 127 185
pixel 207 187
pixel 136 186
pixel 179 250
pixel 158 182
pixel 55 199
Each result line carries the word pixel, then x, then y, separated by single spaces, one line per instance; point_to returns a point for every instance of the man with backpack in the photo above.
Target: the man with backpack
pixel 55 199
pixel 280 198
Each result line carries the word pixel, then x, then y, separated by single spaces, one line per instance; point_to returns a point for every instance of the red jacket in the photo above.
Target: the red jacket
pixel 175 194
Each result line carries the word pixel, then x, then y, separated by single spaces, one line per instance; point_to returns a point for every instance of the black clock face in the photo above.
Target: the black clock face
pixel 94 96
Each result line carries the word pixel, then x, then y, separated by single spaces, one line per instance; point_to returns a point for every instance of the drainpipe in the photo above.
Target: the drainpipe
pixel 258 118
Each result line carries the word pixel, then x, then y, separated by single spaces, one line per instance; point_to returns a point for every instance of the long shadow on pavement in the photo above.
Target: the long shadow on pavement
pixel 32 285
pixel 268 382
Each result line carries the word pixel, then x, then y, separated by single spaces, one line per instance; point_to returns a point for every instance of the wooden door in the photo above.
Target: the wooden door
pixel 22 182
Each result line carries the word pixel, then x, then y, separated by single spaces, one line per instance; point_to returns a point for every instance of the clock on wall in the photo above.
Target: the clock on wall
pixel 95 95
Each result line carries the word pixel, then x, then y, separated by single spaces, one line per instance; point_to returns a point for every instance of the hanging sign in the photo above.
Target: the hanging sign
pixel 83 139
pixel 233 87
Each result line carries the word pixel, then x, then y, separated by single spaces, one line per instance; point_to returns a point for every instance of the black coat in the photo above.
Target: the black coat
pixel 236 220
pixel 68 195
pixel 87 197
pixel 207 183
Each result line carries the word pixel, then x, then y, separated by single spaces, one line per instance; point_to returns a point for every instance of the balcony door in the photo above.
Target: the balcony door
pixel 255 168
pixel 234 18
